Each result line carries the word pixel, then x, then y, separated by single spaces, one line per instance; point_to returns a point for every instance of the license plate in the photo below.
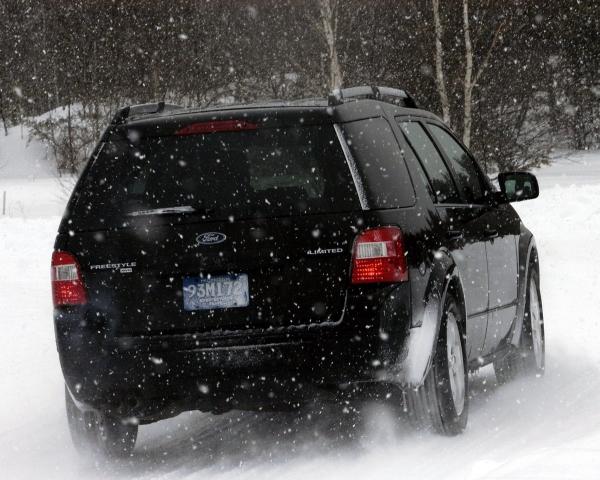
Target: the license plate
pixel 211 293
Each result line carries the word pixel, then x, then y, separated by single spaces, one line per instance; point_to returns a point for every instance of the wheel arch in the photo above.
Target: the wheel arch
pixel 420 345
pixel 455 288
pixel 528 259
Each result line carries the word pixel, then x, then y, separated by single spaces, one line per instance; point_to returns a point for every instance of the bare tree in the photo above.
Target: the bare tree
pixel 471 78
pixel 439 63
pixel 97 56
pixel 329 27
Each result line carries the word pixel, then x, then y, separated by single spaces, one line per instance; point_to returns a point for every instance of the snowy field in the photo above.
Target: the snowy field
pixel 545 428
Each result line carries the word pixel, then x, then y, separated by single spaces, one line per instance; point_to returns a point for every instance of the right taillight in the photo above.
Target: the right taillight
pixel 67 283
pixel 379 256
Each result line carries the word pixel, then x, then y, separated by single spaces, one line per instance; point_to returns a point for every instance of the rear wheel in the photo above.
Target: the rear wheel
pixel 99 432
pixel 442 402
pixel 530 355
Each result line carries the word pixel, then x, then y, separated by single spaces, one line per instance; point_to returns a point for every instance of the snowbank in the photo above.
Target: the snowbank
pixel 571 168
pixel 28 180
pixel 22 158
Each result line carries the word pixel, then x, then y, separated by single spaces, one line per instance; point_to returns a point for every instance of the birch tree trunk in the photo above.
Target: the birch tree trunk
pixel 468 83
pixel 440 79
pixel 329 20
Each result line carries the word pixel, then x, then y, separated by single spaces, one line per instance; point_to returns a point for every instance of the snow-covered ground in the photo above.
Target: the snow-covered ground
pixel 22 158
pixel 29 188
pixel 545 428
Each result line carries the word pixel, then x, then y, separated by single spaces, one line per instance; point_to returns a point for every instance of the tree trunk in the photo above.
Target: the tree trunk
pixel 468 84
pixel 439 63
pixel 71 153
pixel 2 114
pixel 328 14
pixel 554 113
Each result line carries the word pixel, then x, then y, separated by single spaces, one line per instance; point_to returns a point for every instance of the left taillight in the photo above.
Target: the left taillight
pixel 67 282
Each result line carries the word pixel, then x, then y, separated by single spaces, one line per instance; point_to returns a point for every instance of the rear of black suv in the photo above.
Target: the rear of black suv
pixel 240 258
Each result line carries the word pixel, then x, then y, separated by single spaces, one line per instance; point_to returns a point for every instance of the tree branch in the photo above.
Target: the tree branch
pixel 486 59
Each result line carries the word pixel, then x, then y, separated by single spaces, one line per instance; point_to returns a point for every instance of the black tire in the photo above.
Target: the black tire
pixel 433 406
pixel 529 356
pixel 99 433
pixel 80 425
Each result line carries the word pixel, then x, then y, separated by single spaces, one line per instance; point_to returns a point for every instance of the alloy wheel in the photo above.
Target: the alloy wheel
pixel 456 365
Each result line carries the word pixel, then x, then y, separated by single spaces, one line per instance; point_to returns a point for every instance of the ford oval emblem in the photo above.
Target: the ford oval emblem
pixel 210 238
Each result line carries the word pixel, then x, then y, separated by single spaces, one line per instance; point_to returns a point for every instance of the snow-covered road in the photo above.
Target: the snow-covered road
pixel 545 428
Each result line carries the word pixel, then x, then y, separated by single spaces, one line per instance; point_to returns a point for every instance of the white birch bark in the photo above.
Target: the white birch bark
pixel 328 17
pixel 468 82
pixel 440 79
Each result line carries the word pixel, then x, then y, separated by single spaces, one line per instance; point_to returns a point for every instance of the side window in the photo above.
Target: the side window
pixel 436 169
pixel 467 173
pixel 380 162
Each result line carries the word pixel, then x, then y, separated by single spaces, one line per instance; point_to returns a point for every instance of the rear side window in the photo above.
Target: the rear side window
pixel 467 173
pixel 244 174
pixel 437 171
pixel 380 163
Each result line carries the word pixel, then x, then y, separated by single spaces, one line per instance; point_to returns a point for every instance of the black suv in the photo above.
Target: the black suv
pixel 261 256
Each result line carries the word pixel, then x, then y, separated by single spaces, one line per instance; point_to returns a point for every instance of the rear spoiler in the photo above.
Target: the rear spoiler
pixel 142 109
pixel 383 94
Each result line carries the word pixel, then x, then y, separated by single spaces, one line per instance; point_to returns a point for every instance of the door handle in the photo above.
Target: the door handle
pixel 455 234
pixel 490 233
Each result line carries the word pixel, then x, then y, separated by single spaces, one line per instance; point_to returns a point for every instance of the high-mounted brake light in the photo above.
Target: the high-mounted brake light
pixel 67 282
pixel 216 126
pixel 379 255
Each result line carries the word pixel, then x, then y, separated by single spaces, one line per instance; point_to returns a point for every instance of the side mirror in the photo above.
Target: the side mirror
pixel 518 186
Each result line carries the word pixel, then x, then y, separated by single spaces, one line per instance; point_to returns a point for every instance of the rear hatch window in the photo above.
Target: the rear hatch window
pixel 225 175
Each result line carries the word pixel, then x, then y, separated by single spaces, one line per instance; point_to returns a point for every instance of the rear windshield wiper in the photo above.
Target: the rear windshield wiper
pixel 166 211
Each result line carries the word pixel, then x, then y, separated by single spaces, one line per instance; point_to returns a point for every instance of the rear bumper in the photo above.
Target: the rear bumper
pixel 156 376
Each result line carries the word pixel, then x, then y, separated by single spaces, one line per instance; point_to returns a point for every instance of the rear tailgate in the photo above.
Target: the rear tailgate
pixel 297 271
pixel 163 225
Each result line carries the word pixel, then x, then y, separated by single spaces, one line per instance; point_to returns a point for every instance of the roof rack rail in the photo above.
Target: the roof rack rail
pixel 142 109
pixel 384 94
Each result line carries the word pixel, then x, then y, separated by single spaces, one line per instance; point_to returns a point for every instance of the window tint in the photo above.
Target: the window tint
pixel 434 165
pixel 261 173
pixel 379 160
pixel 467 173
pixel 416 169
